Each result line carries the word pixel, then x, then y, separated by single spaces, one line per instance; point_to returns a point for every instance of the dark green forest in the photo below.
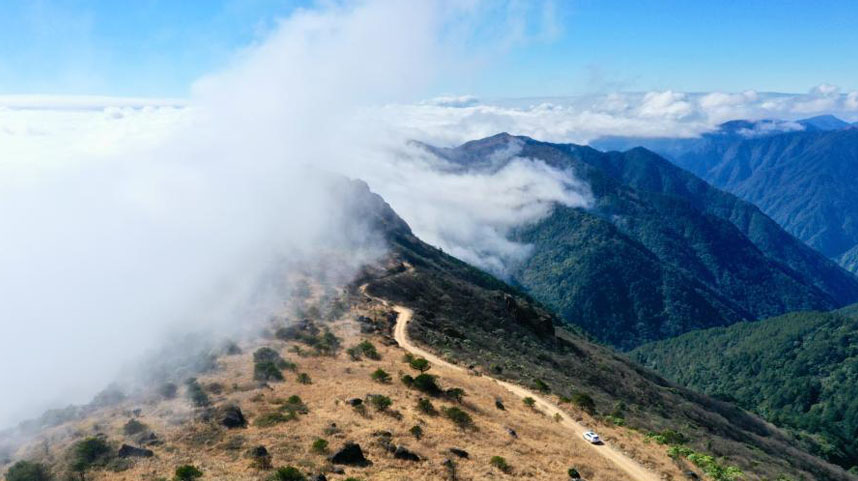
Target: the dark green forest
pixel 798 371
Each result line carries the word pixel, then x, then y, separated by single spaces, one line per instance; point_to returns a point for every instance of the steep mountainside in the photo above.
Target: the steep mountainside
pixel 803 179
pixel 798 371
pixel 473 320
pixel 661 252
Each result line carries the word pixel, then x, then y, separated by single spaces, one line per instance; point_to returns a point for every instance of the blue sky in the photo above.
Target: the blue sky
pixel 158 47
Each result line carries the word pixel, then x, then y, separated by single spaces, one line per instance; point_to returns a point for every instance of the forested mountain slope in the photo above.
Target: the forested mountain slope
pixel 661 252
pixel 797 370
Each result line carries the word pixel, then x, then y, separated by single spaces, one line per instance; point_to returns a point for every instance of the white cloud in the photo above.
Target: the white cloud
pixel 123 219
pixel 667 104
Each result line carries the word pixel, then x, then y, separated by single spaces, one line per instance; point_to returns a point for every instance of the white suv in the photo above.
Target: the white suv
pixel 592 437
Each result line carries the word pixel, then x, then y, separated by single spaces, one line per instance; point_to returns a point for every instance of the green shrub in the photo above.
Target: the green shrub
pixel 133 427
pixel 380 375
pixel 500 463
pixel 585 402
pixel 541 386
pixel 196 394
pixel 425 406
pixel 363 349
pixel 88 453
pixel 427 383
pixel 288 473
pixel 420 364
pixel 455 393
pixel 668 436
pixel 267 371
pixel 380 402
pixel 188 472
pixel 416 431
pixel 574 474
pixel 319 446
pixel 407 358
pixel 168 390
pixel 529 402
pixel 294 404
pixel 304 378
pixel 266 354
pixel 460 418
pixel 407 380
pixel 28 471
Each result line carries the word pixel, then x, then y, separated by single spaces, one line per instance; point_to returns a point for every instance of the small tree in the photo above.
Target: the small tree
pixel 168 390
pixel 380 375
pixel 88 453
pixel 408 380
pixel 500 463
pixel 380 402
pixel 428 384
pixel 529 402
pixel 420 364
pixel 541 386
pixel 304 378
pixel 188 472
pixel 416 431
pixel 574 474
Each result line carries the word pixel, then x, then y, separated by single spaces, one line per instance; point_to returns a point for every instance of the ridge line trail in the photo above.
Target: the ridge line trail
pixel 631 467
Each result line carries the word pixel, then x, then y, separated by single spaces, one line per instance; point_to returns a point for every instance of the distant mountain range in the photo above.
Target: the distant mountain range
pixel 800 173
pixel 661 252
pixel 797 371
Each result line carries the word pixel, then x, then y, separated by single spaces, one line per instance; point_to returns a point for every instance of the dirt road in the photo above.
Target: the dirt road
pixel 617 458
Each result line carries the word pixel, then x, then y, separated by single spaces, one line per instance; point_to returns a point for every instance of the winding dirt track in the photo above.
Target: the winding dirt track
pixel 615 457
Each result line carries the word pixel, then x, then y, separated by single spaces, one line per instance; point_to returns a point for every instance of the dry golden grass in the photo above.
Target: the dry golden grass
pixel 543 450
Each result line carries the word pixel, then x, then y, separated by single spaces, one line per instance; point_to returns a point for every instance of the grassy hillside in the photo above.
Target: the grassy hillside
pixel 797 370
pixel 475 321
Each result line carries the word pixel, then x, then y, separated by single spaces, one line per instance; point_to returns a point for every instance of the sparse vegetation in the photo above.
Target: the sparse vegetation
pixel 709 464
pixel 500 463
pixel 416 431
pixel 668 436
pixel 188 472
pixel 273 418
pixel 304 378
pixel 541 386
pixel 529 402
pixel 380 375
